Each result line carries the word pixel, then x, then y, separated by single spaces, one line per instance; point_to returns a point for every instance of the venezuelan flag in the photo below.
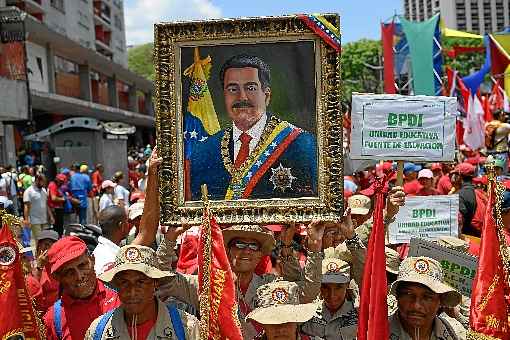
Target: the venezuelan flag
pixel 200 120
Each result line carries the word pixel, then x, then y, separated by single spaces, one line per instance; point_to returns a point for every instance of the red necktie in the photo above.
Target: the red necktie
pixel 244 151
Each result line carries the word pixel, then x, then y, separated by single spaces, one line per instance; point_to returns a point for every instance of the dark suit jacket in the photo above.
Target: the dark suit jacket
pixel 300 156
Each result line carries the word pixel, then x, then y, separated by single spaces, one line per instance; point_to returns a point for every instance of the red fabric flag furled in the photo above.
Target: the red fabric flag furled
pixel 20 319
pixel 373 312
pixel 488 318
pixel 216 288
pixel 387 33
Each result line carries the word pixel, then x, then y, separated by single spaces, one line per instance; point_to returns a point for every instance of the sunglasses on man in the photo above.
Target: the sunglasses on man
pixel 244 245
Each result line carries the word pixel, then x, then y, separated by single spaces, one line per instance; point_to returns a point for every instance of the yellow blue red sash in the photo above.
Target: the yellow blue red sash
pixel 271 149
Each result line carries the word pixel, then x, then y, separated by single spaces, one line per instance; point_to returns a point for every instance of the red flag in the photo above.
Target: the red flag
pixel 387 32
pixel 216 288
pixel 18 316
pixel 373 312
pixel 489 310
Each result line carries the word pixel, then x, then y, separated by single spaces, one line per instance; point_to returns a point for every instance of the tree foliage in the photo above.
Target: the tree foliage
pixel 141 61
pixel 465 63
pixel 356 75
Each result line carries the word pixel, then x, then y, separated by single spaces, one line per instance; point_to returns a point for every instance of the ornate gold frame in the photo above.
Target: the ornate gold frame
pixel 168 39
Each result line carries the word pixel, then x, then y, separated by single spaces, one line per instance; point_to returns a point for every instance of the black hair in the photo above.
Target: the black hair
pixel 110 219
pixel 244 60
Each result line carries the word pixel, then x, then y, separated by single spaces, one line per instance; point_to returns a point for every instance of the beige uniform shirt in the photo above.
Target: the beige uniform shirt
pixel 445 328
pixel 185 287
pixel 116 328
pixel 342 325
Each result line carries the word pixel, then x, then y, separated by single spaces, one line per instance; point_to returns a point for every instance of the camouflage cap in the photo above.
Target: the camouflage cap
pixel 335 271
pixel 133 257
pixel 277 303
pixel 263 236
pixel 392 260
pixel 429 273
pixel 359 204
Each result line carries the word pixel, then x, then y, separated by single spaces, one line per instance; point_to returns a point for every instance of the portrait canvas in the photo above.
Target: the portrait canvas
pixel 259 137
pixel 249 108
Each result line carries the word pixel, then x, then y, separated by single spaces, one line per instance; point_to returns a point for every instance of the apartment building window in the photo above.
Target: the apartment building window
pixel 105 12
pixel 58 5
pixel 65 65
pixel 83 20
pixel 429 8
pixel 117 21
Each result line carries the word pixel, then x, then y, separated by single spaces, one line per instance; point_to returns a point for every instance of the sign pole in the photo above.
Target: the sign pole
pixel 400 173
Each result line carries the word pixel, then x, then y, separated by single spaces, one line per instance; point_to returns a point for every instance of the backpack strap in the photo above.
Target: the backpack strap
pixel 57 318
pixel 101 325
pixel 176 322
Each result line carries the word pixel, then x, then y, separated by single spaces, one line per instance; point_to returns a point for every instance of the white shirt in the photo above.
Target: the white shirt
pixel 104 255
pixel 255 133
pixel 11 178
pixel 122 193
pixel 105 201
pixel 38 199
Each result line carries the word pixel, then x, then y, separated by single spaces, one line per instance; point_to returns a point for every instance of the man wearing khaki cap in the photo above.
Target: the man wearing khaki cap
pixel 279 311
pixel 420 292
pixel 140 315
pixel 337 316
pixel 245 245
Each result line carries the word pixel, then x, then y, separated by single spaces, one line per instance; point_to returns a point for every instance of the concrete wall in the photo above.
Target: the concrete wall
pixel 16 107
pixel 80 22
pixel 37 67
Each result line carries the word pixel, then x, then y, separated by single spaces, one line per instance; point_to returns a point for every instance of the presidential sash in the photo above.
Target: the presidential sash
pixel 265 154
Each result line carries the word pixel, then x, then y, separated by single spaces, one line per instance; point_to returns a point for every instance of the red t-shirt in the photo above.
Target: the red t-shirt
pixel 411 188
pixel 81 313
pixel 444 185
pixel 142 330
pixel 97 180
pixel 427 192
pixel 44 291
pixel 53 190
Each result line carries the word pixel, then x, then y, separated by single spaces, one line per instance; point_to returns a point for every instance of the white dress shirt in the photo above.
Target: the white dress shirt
pixel 255 133
pixel 104 255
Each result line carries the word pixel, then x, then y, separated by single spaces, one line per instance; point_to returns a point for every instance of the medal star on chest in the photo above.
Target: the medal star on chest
pixel 281 178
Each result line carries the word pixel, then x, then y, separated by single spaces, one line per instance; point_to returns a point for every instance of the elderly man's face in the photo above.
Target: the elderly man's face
pixel 245 100
pixel 281 332
pixel 243 256
pixel 136 291
pixel 77 277
pixel 417 305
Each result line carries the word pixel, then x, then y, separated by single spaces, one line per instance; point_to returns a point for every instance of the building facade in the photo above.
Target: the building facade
pixel 76 66
pixel 477 16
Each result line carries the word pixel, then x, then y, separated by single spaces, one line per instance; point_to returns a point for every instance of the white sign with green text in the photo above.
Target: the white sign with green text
pixel 427 217
pixel 395 127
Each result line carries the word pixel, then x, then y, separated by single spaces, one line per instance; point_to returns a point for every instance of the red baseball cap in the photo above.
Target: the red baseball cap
pixel 61 177
pixel 64 250
pixel 436 166
pixel 465 169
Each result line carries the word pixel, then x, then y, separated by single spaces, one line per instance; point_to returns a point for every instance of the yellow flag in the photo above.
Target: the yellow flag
pixel 200 102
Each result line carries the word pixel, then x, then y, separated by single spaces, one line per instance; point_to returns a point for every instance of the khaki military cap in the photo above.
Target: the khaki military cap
pixel 255 232
pixel 453 243
pixel 277 303
pixel 335 271
pixel 359 204
pixel 138 258
pixel 429 273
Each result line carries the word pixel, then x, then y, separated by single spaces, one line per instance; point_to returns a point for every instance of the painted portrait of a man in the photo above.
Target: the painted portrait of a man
pixel 256 153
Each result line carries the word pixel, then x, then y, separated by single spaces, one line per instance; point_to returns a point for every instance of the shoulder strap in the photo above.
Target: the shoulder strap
pixel 101 325
pixel 57 318
pixel 176 322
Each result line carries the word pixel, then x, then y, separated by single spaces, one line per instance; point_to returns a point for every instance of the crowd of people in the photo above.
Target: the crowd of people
pixel 291 281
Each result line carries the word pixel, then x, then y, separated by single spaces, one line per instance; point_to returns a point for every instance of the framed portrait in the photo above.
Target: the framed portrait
pixel 251 108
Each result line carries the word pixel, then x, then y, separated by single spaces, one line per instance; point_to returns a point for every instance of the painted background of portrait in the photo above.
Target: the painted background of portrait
pixel 293 83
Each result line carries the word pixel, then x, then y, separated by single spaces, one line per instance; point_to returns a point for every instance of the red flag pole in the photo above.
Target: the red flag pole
pixel 204 271
pixel 373 313
pixel 488 317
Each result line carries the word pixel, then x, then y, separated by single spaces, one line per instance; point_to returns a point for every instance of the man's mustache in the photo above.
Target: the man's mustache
pixel 241 104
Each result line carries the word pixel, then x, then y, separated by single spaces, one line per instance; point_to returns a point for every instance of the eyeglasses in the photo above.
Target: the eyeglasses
pixel 243 245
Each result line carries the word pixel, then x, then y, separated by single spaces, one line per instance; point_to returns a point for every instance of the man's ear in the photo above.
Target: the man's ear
pixel 267 92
